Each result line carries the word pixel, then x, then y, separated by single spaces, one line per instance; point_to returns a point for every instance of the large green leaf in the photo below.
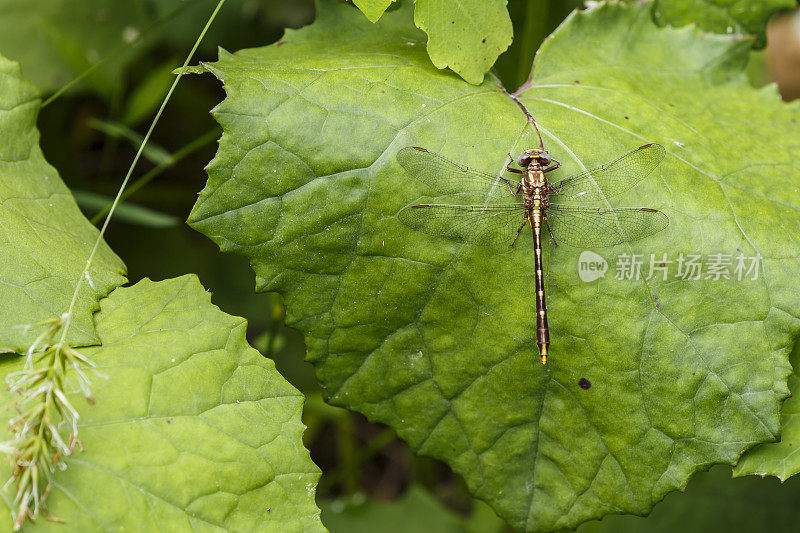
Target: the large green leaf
pixel 722 16
pixel 436 338
pixel 780 459
pixel 192 429
pixel 45 240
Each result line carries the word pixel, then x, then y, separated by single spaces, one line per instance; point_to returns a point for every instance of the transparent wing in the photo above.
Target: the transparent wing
pixel 484 225
pixel 609 179
pixel 601 226
pixel 446 176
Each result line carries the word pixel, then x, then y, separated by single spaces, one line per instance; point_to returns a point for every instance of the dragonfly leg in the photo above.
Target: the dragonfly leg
pixel 556 190
pixel 524 222
pixel 548 169
pixel 511 187
pixel 552 238
pixel 510 162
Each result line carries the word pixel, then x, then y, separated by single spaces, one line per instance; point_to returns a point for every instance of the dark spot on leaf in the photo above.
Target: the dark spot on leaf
pixel 626 117
pixel 584 383
pixel 169 421
pixel 484 41
pixel 269 509
pixel 693 373
pixel 383 92
pixel 577 82
pixel 453 22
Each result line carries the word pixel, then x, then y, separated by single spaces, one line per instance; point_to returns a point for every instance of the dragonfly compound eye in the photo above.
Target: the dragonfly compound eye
pixel 524 160
pixel 545 159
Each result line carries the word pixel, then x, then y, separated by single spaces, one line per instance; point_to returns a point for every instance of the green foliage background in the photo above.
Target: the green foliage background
pixel 426 336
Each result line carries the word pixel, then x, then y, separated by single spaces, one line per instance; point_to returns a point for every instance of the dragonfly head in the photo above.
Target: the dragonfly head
pixel 537 155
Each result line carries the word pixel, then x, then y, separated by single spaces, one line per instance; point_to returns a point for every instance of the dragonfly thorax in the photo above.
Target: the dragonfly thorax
pixel 534 178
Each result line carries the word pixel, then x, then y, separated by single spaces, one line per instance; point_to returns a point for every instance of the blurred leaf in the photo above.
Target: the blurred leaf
pixel 436 338
pixel 191 430
pixel 148 95
pixel 758 69
pixel 126 211
pixel 316 406
pixel 262 343
pixel 152 152
pixel 44 238
pixel 417 511
pixel 715 502
pixel 57 40
pixel 484 520
pixel 722 16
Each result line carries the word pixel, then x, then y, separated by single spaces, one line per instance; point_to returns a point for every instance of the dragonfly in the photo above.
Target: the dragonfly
pixel 486 209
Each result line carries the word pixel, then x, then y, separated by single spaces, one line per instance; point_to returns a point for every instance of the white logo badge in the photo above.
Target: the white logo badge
pixel 591 266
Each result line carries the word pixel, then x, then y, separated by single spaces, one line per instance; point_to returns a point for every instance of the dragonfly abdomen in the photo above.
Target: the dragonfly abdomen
pixel 542 330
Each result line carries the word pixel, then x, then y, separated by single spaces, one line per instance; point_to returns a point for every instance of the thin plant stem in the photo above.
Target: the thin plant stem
pixel 346 440
pixel 275 325
pixel 84 272
pixel 156 171
pixel 372 448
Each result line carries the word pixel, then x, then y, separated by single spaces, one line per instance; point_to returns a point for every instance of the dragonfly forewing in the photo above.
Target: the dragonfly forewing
pixel 446 176
pixel 484 225
pixel 608 180
pixel 594 227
